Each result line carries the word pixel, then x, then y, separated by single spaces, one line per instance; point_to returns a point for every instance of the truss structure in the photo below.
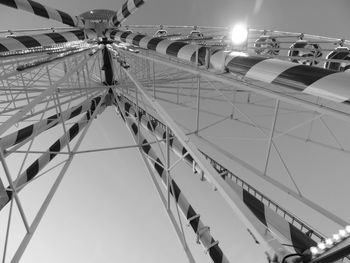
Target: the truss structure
pixel 261 124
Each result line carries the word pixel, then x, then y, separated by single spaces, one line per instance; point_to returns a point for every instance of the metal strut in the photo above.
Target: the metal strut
pixel 107 66
pixel 186 208
pixel 273 220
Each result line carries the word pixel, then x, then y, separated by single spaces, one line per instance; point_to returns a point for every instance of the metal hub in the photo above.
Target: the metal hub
pixel 98 15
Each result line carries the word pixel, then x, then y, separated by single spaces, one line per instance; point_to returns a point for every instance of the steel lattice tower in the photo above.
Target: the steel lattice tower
pixel 239 118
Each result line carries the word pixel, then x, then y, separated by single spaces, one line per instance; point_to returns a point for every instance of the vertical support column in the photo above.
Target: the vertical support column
pixel 25 88
pixel 177 91
pixel 178 228
pixel 9 89
pixel 198 92
pixel 88 72
pixel 14 192
pixel 57 102
pixel 78 74
pixel 312 122
pixel 198 103
pixel 99 64
pixel 107 67
pixel 7 232
pixel 148 62
pixel 233 104
pixel 271 136
pixel 87 69
pixel 202 231
pixel 237 205
pixel 167 167
pixel 84 76
pixel 154 80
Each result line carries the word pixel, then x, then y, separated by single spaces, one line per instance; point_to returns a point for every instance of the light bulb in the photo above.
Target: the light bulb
pixel 314 250
pixel 347 229
pixel 239 34
pixel 343 233
pixel 329 243
pixel 321 246
pixel 336 237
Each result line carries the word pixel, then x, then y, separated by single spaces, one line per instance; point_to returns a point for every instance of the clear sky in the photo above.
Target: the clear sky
pixel 109 212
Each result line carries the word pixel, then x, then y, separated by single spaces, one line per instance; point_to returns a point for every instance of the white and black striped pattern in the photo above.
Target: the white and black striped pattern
pixel 48 39
pixel 43 11
pixel 181 50
pixel 128 8
pixel 265 215
pixel 272 220
pixel 3 193
pixel 159 132
pixel 187 210
pixel 51 153
pixel 45 124
pixel 320 82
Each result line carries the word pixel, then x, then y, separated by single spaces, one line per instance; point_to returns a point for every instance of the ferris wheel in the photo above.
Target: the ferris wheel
pixel 258 117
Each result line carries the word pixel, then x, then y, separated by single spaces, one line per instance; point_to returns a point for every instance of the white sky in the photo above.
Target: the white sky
pixel 107 210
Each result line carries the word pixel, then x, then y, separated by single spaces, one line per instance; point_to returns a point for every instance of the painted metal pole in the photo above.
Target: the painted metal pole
pixel 254 86
pixel 245 215
pixel 187 210
pixel 30 173
pixel 271 219
pixel 179 231
pixel 198 102
pixel 17 256
pixel 128 8
pixel 44 11
pixel 48 92
pixel 26 133
pixel 14 191
pixel 167 167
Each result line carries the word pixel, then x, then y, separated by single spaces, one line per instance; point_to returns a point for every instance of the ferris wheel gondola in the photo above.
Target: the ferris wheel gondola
pixel 340 53
pixel 267 45
pixel 308 52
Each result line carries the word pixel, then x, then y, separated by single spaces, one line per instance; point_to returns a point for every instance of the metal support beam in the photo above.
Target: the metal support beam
pixel 107 67
pixel 178 230
pixel 17 256
pixel 246 216
pixel 255 86
pixel 7 232
pixel 167 163
pixel 198 101
pixel 271 136
pixel 154 80
pixel 16 117
pixel 14 191
pixel 59 111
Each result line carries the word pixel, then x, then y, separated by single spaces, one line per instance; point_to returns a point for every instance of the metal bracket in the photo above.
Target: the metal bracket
pixel 192 218
pixel 194 169
pixel 211 245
